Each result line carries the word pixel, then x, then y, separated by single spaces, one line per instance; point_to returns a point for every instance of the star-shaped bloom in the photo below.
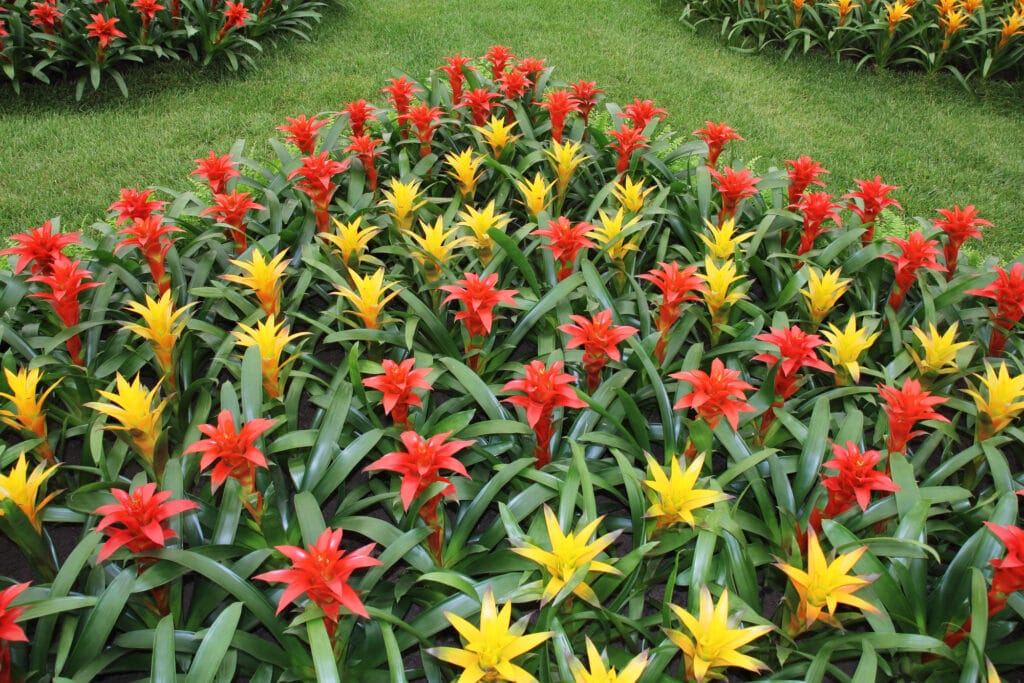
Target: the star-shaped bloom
pixel 674 497
pixel 715 394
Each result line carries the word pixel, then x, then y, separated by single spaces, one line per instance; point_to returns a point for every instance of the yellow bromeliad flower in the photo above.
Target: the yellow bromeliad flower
pixel 368 297
pixel 497 135
pixel 614 238
pixel 714 641
pixel 465 170
pixel 845 347
pixel 1002 403
pixel 599 672
pixel 674 497
pixel 630 196
pixel 22 489
pixel 435 249
pixel 351 240
pixel 535 193
pixel 569 553
pixel 972 6
pixel 28 413
pixel 479 223
pixel 565 158
pixel 939 350
pixel 263 277
pixel 271 338
pixel 823 292
pixel 402 202
pixel 161 326
pixel 723 241
pixel 895 13
pixel 824 586
pixel 946 6
pixel 719 280
pixel 490 649
pixel 1011 25
pixel 134 407
pixel 844 7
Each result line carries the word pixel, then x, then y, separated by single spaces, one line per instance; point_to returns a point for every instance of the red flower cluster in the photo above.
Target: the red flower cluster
pixel 715 135
pixel 479 297
pixel 905 407
pixel 498 56
pixel 359 114
pixel 545 389
pixel 397 383
pixel 425 120
pixel 137 520
pixel 585 93
pixel 874 196
pixel 916 252
pixel 795 351
pixel 855 480
pixel 559 104
pixel 303 132
pixel 1008 292
pixel 231 452
pixel 400 92
pixel 148 235
pixel 803 172
pixel 600 341
pixel 135 205
pixel 66 281
pixel 365 149
pixel 715 394
pixel 39 247
pixel 627 141
pixel 566 242
pixel 216 170
pixel 675 285
pixel 456 77
pixel 816 207
pixel 734 186
pixel 959 225
pixel 230 209
pixel 481 103
pixel 317 173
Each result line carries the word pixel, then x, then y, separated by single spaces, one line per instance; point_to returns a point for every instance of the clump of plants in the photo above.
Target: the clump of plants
pixel 88 42
pixel 466 387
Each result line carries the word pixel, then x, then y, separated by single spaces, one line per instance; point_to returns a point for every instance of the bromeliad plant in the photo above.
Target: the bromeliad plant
pixel 473 386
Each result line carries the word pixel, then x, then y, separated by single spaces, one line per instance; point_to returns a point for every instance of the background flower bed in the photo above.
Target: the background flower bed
pixel 771 467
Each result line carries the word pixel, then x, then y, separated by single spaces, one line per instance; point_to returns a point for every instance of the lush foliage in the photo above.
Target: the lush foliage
pixel 504 385
pixel 967 38
pixel 87 41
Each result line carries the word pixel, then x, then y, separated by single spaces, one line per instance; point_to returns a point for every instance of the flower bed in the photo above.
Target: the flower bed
pixel 515 388
pixel 88 42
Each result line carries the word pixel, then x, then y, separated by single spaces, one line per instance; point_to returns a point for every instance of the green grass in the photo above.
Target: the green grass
pixel 926 135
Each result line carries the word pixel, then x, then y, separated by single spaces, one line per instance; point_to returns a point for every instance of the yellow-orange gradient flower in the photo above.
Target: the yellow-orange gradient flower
pixel 263 277
pixel 137 412
pixel 22 489
pixel 271 338
pixel 369 296
pixel 161 325
pixel 28 413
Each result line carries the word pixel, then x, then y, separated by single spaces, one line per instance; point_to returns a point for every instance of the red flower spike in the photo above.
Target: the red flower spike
pixel 642 112
pixel 959 225
pixel 317 173
pixel 147 11
pixel 235 16
pixel 365 148
pixel 230 209
pixel 216 170
pixel 627 141
pixel 479 297
pixel 599 340
pixel 715 394
pixel 137 520
pixel 905 407
pixel 456 78
pixel 874 196
pixel 303 132
pixel 425 120
pixel 803 172
pixel 46 16
pixel 66 282
pixel 148 236
pixel 532 67
pixel 1008 292
pixel 856 479
pixel 322 571
pixel 559 104
pixel 675 285
pixel 734 186
pixel 39 247
pixel 480 103
pixel 1007 578
pixel 231 452
pixel 397 383
pixel 816 207
pixel 916 252
pixel 400 92
pixel 716 135
pixel 359 113
pixel 420 465
pixel 498 56
pixel 10 632
pixel 585 93
pixel 135 205
pixel 513 84
pixel 104 30
pixel 566 242
pixel 545 389
pixel 795 351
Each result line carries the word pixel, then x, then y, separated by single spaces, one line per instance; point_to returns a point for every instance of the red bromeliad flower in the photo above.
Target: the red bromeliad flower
pixel 916 252
pixel 3 34
pixel 498 56
pixel 675 285
pixel 627 141
pixel 135 205
pixel 400 94
pixel 66 281
pixel 359 113
pixel 795 351
pixel 559 104
pixel 46 16
pixel 322 571
pixel 585 93
pixel 479 298
pixel 716 135
pixel 545 389
pixel 1008 292
pixel 803 172
pixel 38 247
pixel 456 78
pixel 480 103
pixel 10 632
pixel 531 67
pixel 856 479
pixel 734 186
pixel 600 341
pixel 397 383
pixel 874 196
pixel 959 225
pixel 513 84
pixel 303 132
pixel 137 520
pixel 230 209
pixel 365 149
pixel 216 170
pixel 148 236
pixel 317 174
pixel 566 242
pixel 816 207
pixel 147 12
pixel 642 112
pixel 715 394
pixel 235 16
pixel 425 120
pixel 905 407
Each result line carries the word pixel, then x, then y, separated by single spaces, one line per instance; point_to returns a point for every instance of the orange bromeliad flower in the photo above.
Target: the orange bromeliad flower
pixel 715 394
pixel 716 135
pixel 322 571
pixel 733 186
pixel 400 92
pixel 303 132
pixel 959 225
pixel 1012 25
pixel 39 247
pixel 565 242
pixel 896 12
pixel 675 285
pixel 271 338
pixel 874 196
pixel 916 252
pixel 586 93
pixel 148 235
pixel 235 16
pixel 28 414
pixel 456 77
pixel 642 112
pixel 66 282
pixel 545 389
pixel 216 170
pixel 397 383
pixel 425 120
pixel 600 341
pixel 263 277
pixel 104 30
pixel 1008 292
pixel 481 103
pixel 498 56
pixel 905 407
pixel 137 521
pixel 230 209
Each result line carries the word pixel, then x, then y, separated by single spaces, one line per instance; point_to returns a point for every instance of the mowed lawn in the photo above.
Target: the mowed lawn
pixel 937 143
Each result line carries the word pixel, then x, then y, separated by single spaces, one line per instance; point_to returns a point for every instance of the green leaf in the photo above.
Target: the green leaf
pixel 323 655
pixel 214 645
pixel 162 666
pixel 396 663
pixel 808 467
pixel 326 447
pixel 471 382
pixel 523 265
pixel 100 621
pixel 310 518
